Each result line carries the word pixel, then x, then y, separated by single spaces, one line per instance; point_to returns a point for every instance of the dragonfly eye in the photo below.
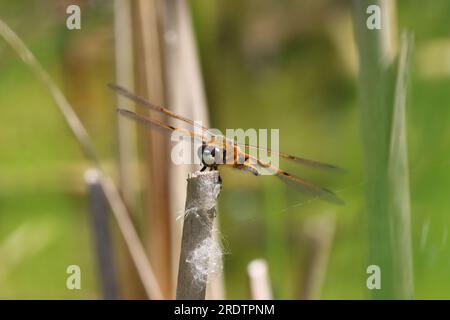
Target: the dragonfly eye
pixel 209 154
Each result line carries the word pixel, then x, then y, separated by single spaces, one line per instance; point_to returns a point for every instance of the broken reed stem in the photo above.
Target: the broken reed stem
pixel 258 275
pixel 101 234
pixel 198 245
pixel 118 207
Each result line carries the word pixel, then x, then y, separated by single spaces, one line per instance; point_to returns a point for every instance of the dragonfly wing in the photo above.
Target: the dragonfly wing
pixel 299 160
pixel 309 188
pixel 299 184
pixel 157 125
pixel 145 103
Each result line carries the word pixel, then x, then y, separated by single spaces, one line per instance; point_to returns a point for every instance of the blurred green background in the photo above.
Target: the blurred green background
pixel 266 64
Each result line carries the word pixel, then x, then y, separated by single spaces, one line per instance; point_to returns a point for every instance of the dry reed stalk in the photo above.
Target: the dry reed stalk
pixel 150 85
pixel 123 49
pixel 126 136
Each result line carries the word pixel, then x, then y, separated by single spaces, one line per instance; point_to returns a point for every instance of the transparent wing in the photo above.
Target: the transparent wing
pixel 145 103
pixel 299 160
pixel 155 124
pixel 299 184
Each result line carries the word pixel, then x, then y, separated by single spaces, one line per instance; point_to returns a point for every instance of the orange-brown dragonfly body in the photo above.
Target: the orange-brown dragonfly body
pixel 216 150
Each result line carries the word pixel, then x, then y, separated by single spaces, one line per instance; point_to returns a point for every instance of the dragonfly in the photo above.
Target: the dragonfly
pixel 214 147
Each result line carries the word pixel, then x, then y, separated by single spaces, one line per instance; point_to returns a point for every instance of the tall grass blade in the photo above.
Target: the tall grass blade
pixel 383 94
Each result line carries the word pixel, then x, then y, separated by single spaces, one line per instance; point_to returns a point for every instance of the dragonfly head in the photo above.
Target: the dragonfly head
pixel 210 155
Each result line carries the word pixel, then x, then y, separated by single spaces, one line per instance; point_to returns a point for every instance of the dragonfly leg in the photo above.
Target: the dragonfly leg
pixel 203 169
pixel 216 168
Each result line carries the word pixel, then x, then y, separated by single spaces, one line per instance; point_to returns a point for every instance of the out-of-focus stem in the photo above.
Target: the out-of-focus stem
pixel 383 92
